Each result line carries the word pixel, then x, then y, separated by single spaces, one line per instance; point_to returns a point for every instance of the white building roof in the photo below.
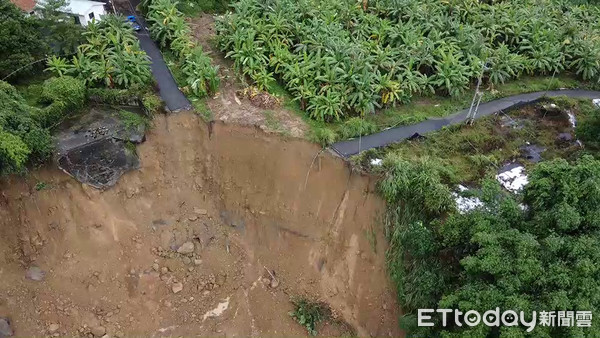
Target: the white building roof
pixel 81 7
pixel 77 7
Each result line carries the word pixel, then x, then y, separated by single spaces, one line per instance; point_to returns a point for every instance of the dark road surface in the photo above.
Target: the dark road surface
pixel 386 137
pixel 167 87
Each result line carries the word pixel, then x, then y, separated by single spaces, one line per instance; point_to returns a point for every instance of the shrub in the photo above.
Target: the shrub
pixel 109 95
pixel 152 103
pixel 588 129
pixel 310 314
pixel 22 139
pixel 51 115
pixel 67 89
pixel 13 153
pixel 40 143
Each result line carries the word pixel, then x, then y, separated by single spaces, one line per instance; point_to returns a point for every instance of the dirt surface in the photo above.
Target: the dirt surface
pixel 182 246
pixel 229 107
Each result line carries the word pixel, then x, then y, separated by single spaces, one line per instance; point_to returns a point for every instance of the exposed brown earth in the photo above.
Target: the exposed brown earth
pixel 227 105
pixel 182 246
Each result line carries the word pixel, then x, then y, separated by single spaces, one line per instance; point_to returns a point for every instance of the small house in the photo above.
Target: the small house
pixel 82 11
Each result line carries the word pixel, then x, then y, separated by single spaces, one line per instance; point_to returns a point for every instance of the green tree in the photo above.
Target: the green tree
pixel 21 41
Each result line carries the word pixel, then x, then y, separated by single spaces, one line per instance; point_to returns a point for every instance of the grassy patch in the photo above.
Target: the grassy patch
pixel 271 121
pixel 41 185
pixel 470 152
pixel 133 120
pixel 202 109
pixel 309 314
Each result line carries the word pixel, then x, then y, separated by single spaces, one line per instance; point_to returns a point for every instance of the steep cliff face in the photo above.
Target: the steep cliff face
pixel 246 201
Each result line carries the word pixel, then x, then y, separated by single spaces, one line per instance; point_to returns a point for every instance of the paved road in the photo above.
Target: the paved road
pixel 394 135
pixel 167 87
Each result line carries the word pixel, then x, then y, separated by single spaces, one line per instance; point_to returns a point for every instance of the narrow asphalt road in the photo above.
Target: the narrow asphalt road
pixel 394 135
pixel 167 87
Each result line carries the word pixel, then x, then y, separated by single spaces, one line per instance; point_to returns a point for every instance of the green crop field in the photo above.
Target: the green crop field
pixel 342 58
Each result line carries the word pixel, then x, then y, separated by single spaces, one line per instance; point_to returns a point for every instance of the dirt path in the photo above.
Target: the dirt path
pixel 228 107
pixel 245 202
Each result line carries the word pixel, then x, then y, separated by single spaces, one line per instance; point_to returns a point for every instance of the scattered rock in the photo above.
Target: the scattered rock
pixel 53 327
pixel 187 260
pixel 197 261
pixel 177 287
pixel 35 273
pixel 5 329
pixel 186 248
pixel 98 331
pixel 164 269
pixel 193 218
pixel 155 267
pixel 200 211
pixel 274 283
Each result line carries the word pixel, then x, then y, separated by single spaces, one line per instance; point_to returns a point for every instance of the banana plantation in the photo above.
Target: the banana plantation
pixel 111 57
pixel 169 28
pixel 341 58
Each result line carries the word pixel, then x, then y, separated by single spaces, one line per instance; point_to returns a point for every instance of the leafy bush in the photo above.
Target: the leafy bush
pixel 341 59
pixel 588 129
pixel 111 96
pixel 13 153
pixel 66 89
pixel 322 135
pixel 22 139
pixel 310 314
pixel 152 103
pixel 133 120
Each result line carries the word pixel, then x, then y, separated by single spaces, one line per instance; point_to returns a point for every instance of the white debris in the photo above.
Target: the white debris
pixel 513 179
pixel 596 102
pixel 466 204
pixel 216 312
pixel 376 161
pixel 572 119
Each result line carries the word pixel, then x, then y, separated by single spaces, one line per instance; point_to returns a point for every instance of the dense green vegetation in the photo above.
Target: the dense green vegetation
pixel 541 257
pixel 27 39
pixel 169 28
pixel 109 67
pixel 532 251
pixel 23 138
pixel 111 57
pixel 345 58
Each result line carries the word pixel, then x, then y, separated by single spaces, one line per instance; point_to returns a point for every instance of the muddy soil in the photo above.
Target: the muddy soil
pixel 229 107
pixel 192 242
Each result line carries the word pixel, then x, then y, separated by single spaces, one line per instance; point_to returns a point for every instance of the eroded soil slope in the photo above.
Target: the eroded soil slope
pixel 245 200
